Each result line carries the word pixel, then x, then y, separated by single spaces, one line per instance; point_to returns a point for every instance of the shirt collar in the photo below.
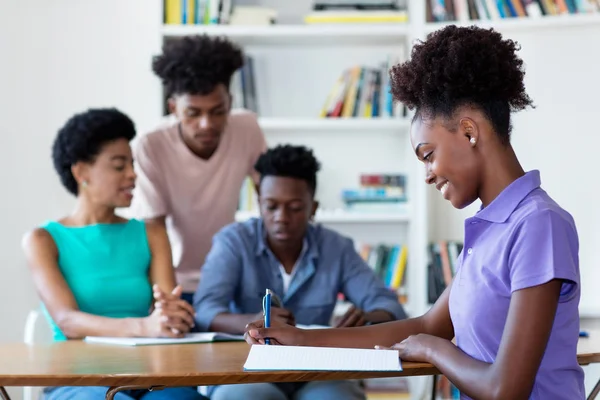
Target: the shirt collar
pixel 507 201
pixel 309 245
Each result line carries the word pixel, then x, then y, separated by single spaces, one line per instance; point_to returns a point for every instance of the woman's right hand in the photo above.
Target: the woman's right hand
pixel 160 324
pixel 280 333
pixel 171 317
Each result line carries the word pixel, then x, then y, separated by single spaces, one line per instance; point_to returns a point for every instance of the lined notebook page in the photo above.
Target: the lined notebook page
pixel 301 358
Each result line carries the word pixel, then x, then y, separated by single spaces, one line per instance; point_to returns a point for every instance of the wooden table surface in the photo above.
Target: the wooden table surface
pixel 76 363
pixel 588 349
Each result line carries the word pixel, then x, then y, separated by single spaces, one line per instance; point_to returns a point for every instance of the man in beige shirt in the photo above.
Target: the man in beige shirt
pixel 191 169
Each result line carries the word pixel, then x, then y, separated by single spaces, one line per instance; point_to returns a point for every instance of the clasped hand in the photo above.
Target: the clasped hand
pixel 172 316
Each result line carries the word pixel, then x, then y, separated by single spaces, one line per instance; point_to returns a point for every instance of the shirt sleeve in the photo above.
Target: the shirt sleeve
pixel 545 247
pixel 363 288
pixel 149 198
pixel 220 275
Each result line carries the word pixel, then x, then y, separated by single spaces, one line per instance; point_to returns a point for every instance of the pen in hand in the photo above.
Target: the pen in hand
pixel 267 312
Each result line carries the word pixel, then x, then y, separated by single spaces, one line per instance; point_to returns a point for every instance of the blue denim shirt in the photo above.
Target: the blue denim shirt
pixel 240 266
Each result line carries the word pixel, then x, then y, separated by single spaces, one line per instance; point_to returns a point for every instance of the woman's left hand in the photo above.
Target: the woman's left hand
pixel 416 348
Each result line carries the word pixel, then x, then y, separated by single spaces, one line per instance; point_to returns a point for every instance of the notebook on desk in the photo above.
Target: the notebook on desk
pixel 203 337
pixel 303 358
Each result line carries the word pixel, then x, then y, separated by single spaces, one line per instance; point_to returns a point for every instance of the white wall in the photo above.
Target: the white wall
pixel 63 56
pixel 60 57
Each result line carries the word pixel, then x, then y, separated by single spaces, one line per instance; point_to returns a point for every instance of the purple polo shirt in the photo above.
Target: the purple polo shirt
pixel 521 239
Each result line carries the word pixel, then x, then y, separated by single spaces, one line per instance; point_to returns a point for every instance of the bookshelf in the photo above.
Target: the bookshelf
pixel 289 105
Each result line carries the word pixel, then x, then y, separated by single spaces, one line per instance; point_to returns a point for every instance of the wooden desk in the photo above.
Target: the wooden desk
pixel 588 352
pixel 76 363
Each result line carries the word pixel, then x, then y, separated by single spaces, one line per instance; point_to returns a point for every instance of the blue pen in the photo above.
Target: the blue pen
pixel 267 312
pixel 584 334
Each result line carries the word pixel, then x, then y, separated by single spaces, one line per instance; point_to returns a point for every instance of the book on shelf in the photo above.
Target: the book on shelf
pixel 481 10
pixel 196 12
pixel 377 193
pixel 356 12
pixel 356 17
pixel 364 92
pixel 248 197
pixel 356 5
pixel 243 86
pixel 389 262
pixel 443 258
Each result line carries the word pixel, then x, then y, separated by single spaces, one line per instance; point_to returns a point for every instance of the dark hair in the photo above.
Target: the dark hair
pixel 463 66
pixel 82 138
pixel 289 161
pixel 197 64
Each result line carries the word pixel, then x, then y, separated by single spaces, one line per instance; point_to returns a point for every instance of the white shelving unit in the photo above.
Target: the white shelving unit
pixel 334 124
pixel 294 34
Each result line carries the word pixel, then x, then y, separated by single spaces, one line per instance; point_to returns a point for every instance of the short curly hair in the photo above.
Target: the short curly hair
pixel 197 64
pixel 459 66
pixel 290 161
pixel 82 138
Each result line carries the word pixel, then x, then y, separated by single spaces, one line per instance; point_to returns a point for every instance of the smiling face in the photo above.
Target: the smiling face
pixel 451 159
pixel 286 207
pixel 203 119
pixel 110 177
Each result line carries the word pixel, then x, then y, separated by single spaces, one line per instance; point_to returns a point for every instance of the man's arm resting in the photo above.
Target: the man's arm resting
pixel 379 316
pixel 231 323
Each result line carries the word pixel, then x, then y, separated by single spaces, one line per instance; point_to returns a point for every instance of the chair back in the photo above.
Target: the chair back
pixel 36 330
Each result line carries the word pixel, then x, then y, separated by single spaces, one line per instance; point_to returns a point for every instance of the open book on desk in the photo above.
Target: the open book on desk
pixel 304 358
pixel 199 337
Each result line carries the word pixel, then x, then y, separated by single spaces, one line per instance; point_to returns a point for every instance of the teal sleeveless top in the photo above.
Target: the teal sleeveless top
pixel 107 267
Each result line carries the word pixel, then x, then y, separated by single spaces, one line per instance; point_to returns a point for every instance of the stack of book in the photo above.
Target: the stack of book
pixel 377 193
pixel 356 12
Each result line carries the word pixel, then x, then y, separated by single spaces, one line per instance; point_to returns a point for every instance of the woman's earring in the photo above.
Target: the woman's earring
pixel 472 140
pixel 84 184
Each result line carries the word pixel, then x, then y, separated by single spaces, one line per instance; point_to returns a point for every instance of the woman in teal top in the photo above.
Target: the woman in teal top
pixel 96 273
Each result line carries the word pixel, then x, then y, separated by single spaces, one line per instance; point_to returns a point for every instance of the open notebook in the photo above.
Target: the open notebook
pixel 204 337
pixel 303 358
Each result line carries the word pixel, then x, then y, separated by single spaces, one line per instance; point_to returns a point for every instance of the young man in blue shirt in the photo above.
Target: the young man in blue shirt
pixel 306 265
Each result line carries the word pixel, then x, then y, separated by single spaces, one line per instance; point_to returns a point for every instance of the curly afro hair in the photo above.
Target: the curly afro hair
pixel 290 161
pixel 459 66
pixel 196 64
pixel 82 138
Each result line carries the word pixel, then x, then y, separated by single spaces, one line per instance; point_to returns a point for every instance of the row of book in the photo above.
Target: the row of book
pixel 364 92
pixel 196 12
pixel 465 10
pixel 376 192
pixel 441 268
pixel 388 261
pixel 243 86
